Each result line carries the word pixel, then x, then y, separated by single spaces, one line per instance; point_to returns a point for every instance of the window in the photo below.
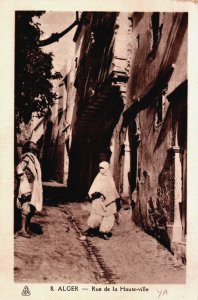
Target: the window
pixel 138 41
pixel 156 29
pixel 160 109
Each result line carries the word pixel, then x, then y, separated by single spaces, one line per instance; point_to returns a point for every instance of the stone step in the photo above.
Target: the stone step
pixel 54 192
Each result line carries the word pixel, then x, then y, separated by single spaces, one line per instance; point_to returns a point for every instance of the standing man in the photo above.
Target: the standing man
pixel 30 194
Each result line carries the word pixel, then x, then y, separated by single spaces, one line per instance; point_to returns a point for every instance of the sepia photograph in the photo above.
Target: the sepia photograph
pixel 100 147
pixel 98 150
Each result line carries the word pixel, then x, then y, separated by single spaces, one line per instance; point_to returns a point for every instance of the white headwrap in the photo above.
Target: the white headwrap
pixel 104 183
pixel 105 165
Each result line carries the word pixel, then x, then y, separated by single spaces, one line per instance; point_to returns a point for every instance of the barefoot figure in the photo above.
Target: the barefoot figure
pixel 30 194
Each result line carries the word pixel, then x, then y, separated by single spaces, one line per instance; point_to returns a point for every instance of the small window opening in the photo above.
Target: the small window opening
pixel 156 29
pixel 138 41
pixel 160 109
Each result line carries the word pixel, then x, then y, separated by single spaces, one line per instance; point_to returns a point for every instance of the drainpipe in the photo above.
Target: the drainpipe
pixel 112 159
pixel 177 225
pixel 126 170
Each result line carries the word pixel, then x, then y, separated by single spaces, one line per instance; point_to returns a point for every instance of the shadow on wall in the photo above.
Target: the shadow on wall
pixel 157 217
pixel 153 215
pixel 155 223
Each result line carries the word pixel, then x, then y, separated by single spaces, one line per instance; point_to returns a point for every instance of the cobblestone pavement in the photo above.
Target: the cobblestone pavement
pixel 55 254
pixel 132 255
pixel 58 254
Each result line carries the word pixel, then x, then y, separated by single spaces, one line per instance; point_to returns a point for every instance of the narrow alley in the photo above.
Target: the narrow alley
pixel 101 116
pixel 130 256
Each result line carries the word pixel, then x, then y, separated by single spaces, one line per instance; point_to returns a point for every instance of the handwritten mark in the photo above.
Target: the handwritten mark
pixel 162 293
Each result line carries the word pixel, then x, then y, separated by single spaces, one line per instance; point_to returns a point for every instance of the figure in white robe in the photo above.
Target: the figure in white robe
pixel 30 193
pixel 103 208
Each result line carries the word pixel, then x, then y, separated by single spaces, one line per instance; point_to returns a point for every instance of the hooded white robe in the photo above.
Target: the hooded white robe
pixel 104 183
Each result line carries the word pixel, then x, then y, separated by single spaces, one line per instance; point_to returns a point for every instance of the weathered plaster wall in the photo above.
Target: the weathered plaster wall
pixel 98 103
pixel 148 63
pixel 154 192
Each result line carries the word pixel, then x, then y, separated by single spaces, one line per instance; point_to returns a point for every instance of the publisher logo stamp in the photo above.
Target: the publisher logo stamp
pixel 26 291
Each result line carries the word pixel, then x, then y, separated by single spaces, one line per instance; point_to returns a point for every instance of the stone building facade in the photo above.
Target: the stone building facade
pixel 54 160
pixel 103 68
pixel 156 119
pixel 130 109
